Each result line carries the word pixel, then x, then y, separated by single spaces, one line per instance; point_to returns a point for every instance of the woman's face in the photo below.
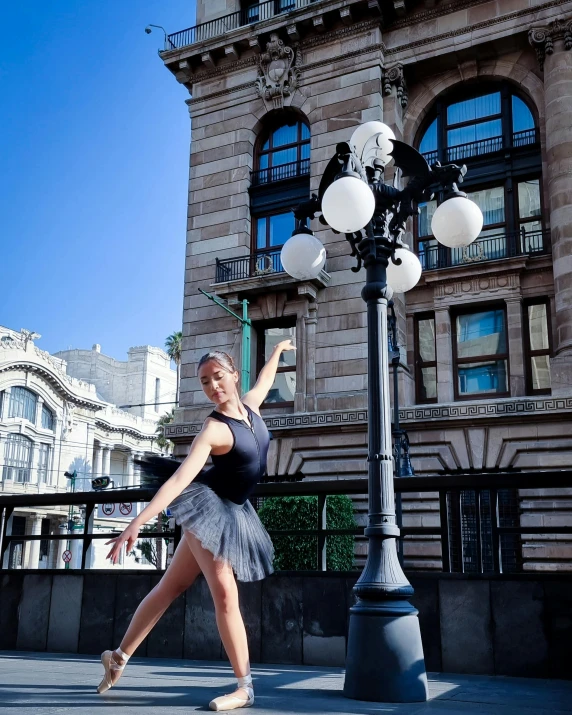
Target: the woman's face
pixel 218 384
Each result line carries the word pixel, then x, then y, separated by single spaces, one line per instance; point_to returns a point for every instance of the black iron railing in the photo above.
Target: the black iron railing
pixel 261 263
pixel 221 25
pixel 485 146
pixel 490 248
pixel 477 533
pixel 281 172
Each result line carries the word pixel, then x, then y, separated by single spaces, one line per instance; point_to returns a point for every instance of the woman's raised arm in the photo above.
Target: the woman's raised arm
pixel 256 396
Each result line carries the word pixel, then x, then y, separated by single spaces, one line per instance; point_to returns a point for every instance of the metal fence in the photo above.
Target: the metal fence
pixel 281 172
pixel 221 25
pixel 501 245
pixel 479 529
pixel 490 145
pixel 250 266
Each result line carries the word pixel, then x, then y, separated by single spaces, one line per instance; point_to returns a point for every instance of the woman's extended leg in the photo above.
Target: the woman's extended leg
pixel 222 585
pixel 180 574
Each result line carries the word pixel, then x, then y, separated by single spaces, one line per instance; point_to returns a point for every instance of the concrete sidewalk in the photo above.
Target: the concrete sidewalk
pixel 46 683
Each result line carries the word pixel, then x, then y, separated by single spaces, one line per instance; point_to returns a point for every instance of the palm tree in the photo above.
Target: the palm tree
pixel 174 345
pixel 162 442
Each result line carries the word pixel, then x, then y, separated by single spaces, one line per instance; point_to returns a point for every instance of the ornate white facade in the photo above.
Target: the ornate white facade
pixel 52 423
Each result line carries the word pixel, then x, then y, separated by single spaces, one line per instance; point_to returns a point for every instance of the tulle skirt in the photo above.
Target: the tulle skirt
pixel 233 533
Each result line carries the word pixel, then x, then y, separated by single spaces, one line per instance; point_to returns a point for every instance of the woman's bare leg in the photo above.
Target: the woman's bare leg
pixel 222 585
pixel 180 574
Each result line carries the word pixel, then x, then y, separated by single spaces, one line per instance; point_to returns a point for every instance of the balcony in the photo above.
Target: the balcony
pixel 260 263
pixel 528 137
pixel 280 173
pixel 222 25
pixel 489 248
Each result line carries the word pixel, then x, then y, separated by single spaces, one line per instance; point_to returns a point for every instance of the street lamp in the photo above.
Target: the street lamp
pixel 168 42
pixel 385 660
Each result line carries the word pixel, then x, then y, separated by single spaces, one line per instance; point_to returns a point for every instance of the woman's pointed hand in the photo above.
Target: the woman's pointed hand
pixel 129 535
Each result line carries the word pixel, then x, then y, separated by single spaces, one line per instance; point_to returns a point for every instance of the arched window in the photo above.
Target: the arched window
pixel 22 404
pixel 280 180
pixel 284 154
pixel 17 458
pixel 491 130
pixel 47 418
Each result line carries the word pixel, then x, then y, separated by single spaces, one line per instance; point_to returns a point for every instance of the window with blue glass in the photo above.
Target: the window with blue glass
pixel 481 353
pixel 469 126
pixel 22 404
pixel 284 154
pixel 493 132
pixel 47 418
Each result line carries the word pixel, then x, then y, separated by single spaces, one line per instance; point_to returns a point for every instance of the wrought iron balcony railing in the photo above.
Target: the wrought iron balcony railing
pixel 281 172
pixel 222 25
pixel 491 145
pixel 256 264
pixel 489 248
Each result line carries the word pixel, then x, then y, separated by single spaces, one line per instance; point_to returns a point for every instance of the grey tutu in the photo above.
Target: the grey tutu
pixel 233 533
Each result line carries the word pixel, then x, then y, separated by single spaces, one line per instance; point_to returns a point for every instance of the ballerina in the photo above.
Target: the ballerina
pixel 222 532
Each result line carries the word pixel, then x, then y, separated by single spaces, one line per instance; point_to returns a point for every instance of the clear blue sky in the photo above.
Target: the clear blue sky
pixel 94 147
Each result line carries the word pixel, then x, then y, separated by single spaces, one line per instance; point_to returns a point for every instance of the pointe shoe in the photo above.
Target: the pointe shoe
pixel 109 665
pixel 232 702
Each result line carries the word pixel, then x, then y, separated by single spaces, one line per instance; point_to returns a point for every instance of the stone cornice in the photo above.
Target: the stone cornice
pixel 418 416
pixel 477 26
pixel 54 381
pixel 123 429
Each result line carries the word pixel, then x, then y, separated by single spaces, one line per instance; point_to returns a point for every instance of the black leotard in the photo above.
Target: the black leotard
pixel 235 474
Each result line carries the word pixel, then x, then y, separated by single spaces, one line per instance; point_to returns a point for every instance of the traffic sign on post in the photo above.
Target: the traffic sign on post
pixel 67 556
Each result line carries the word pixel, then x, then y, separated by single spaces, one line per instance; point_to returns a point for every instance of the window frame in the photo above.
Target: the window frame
pixel 268 134
pixel 254 233
pixel 528 353
pixel 260 328
pixel 25 402
pixel 497 357
pixel 419 363
pixel 15 442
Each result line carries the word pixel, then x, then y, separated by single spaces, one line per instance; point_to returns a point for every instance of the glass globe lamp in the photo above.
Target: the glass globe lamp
pixel 365 132
pixel 348 204
pixel 457 222
pixel 406 275
pixel 303 256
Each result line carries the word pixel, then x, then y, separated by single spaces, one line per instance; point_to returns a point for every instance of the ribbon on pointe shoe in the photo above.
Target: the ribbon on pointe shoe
pixel 233 702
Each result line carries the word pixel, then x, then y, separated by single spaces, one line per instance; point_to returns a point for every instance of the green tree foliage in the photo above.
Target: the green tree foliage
pixel 162 442
pixel 174 347
pixel 298 553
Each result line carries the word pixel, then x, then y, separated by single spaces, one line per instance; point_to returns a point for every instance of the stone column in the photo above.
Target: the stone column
pixel 106 466
pixel 515 346
pixel 34 546
pixel 5 404
pixel 553 44
pixel 98 461
pixel 130 470
pixel 62 545
pixel 444 355
pixel 39 405
pixel 311 323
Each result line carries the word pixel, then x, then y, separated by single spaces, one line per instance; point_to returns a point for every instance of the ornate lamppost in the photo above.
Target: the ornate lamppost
pixel 385 656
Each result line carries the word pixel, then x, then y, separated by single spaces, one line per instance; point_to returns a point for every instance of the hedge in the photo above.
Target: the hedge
pixel 299 553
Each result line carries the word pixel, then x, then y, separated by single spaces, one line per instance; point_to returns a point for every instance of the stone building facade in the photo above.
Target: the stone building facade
pixel 485 380
pixel 52 423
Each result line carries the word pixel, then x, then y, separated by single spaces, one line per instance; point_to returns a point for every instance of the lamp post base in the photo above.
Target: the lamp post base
pixel 385 662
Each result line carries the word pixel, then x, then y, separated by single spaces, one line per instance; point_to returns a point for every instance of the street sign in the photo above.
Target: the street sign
pixel 67 556
pixel 115 511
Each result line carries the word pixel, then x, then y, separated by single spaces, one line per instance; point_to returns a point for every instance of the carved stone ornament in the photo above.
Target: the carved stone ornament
pixel 395 76
pixel 278 73
pixel 543 38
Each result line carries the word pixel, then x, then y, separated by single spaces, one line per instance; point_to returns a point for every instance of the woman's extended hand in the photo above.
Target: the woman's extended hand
pixel 129 535
pixel 285 345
